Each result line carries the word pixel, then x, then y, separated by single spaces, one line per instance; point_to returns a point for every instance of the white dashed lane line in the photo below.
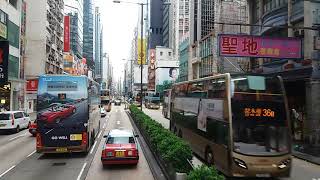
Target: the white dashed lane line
pixel 7 171
pixel 94 145
pixel 82 169
pixel 31 154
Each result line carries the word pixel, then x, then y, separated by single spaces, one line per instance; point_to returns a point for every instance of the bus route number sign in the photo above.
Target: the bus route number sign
pixel 258 112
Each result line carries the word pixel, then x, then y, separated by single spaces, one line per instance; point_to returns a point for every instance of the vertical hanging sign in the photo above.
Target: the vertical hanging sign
pixel 66 38
pixel 4 53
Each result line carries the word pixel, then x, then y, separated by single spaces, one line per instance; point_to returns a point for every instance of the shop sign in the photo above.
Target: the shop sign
pixel 66 34
pixel 233 45
pixel 4 52
pixel 32 85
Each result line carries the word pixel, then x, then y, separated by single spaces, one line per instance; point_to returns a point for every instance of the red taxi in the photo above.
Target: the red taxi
pixel 120 147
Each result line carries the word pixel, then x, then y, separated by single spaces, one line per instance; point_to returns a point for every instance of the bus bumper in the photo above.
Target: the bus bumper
pixel 264 167
pixel 54 150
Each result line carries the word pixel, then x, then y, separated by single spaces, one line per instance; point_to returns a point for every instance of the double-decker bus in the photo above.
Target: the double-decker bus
pixel 152 100
pixel 238 123
pixel 68 113
pixel 106 99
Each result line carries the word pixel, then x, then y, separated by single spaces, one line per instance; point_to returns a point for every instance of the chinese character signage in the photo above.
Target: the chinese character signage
pixel 141 53
pixel 66 34
pixel 259 46
pixel 258 112
pixel 4 52
pixel 152 70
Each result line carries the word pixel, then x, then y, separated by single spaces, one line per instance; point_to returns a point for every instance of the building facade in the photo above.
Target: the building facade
pixel 13 29
pixel 301 76
pixel 44 50
pixel 88 35
pixel 98 48
pixel 156 24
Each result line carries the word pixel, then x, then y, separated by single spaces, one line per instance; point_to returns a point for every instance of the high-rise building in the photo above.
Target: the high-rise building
pixel 13 29
pixel 98 45
pixel 88 34
pixel 156 24
pixel 45 37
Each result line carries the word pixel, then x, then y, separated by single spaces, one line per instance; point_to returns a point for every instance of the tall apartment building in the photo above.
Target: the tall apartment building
pixel 98 45
pixel 13 29
pixel 45 37
pixel 88 34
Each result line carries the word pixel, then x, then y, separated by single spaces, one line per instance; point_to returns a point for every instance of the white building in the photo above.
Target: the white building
pixel 167 67
pixel 45 39
pixel 12 29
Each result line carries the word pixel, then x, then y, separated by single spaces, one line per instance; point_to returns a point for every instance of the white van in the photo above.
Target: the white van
pixel 14 120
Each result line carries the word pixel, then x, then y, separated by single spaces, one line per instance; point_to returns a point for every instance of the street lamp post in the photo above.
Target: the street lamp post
pixel 141 44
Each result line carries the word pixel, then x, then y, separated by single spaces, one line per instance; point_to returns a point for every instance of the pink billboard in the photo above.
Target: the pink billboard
pixel 258 46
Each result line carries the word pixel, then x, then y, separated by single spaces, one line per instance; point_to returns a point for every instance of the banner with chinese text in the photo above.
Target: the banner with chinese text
pixel 141 53
pixel 233 45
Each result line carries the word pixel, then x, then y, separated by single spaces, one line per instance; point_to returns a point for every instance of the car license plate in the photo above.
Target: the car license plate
pixel 263 175
pixel 75 137
pixel 119 153
pixel 61 150
pixel 2 125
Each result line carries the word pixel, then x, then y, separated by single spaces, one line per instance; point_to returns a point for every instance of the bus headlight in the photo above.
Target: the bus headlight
pixel 284 164
pixel 240 163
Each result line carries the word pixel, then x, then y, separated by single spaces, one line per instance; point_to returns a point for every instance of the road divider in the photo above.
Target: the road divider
pixel 7 171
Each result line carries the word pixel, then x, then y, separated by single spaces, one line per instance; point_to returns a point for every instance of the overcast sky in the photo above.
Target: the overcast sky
pixel 119 21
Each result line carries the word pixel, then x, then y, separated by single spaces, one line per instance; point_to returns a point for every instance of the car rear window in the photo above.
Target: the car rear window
pixel 18 115
pixel 4 117
pixel 120 140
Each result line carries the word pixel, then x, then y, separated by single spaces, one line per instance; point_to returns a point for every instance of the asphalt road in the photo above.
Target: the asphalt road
pixel 301 170
pixel 18 159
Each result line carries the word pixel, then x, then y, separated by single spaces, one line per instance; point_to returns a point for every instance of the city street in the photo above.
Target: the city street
pixel 18 159
pixel 301 170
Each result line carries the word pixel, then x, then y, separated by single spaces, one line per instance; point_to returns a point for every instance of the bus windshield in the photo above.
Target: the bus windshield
pixel 259 119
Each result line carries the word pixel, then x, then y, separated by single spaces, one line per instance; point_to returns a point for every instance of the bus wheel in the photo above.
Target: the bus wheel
pixel 209 157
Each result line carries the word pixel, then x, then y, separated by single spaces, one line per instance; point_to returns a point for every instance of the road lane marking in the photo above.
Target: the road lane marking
pixel 82 169
pixel 16 137
pixel 99 134
pixel 31 153
pixel 7 171
pixel 118 122
pixel 104 125
pixel 94 145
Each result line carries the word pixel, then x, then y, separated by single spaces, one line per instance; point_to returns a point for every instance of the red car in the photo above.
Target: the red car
pixel 33 128
pixel 120 148
pixel 57 113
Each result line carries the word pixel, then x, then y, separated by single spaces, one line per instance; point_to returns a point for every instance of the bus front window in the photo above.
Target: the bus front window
pixel 259 117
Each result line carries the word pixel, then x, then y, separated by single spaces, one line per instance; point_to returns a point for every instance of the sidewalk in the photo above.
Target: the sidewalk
pixel 310 154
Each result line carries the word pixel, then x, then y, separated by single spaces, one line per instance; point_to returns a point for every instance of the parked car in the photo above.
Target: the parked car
pixel 57 113
pixel 14 120
pixel 120 147
pixel 103 112
pixel 33 128
pixel 117 102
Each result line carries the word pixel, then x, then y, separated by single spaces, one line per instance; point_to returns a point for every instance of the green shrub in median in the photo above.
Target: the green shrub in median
pixel 173 150
pixel 204 173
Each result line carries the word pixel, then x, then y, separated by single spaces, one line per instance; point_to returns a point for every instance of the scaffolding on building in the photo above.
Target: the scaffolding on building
pixel 231 12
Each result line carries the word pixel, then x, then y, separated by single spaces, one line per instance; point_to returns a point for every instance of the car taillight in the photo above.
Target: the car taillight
pixel 39 142
pixel 12 118
pixel 103 154
pixel 84 138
